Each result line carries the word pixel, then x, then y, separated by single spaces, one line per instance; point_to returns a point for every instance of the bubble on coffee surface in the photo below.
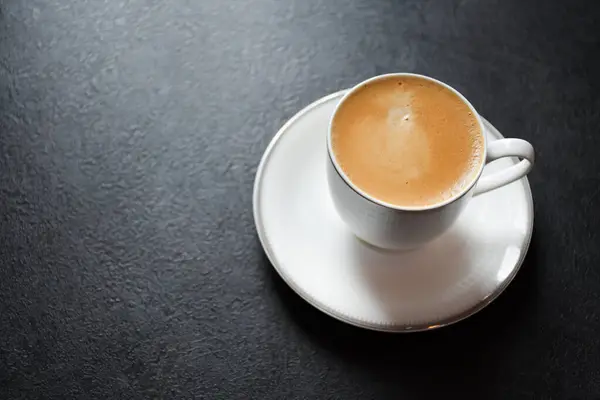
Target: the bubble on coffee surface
pixel 399 116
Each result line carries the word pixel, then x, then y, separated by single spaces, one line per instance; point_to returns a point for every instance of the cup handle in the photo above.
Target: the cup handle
pixel 506 148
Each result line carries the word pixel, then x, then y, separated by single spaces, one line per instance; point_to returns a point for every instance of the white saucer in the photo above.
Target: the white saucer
pixel 319 258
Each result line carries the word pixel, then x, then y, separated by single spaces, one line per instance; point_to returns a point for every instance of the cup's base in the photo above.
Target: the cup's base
pixel 399 249
pixel 392 290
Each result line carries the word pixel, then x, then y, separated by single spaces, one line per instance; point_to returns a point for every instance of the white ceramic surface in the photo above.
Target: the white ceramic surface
pixel 316 254
pixel 399 227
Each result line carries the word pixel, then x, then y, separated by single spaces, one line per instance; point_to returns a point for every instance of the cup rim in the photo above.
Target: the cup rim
pixel 372 199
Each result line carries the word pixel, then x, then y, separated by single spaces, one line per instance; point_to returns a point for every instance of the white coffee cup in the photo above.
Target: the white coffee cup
pixel 393 227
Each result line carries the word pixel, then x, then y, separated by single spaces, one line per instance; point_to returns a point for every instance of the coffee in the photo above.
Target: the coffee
pixel 407 141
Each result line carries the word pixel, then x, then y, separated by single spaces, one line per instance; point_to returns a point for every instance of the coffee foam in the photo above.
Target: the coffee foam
pixel 407 141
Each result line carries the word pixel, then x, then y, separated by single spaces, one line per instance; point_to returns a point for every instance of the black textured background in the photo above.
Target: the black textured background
pixel 130 133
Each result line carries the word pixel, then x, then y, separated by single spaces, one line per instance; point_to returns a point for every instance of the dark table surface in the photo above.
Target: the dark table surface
pixel 130 133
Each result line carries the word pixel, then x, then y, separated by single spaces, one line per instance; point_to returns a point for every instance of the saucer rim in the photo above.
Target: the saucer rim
pixel 340 316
